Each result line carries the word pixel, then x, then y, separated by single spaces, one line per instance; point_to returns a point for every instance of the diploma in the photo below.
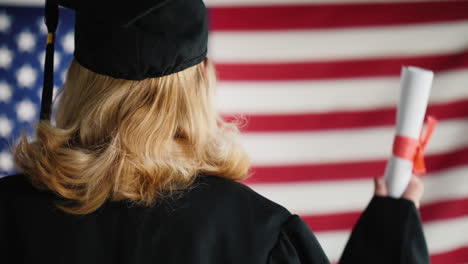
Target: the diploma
pixel 415 89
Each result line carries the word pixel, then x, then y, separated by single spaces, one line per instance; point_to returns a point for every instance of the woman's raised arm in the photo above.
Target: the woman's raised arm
pixel 389 230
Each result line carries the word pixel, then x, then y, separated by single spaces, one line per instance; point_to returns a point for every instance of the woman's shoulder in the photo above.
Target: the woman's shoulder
pixel 237 193
pixel 286 236
pixel 18 189
pixel 15 183
pixel 210 194
pixel 230 203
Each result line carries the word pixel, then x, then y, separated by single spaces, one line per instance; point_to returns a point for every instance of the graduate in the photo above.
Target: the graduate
pixel 140 168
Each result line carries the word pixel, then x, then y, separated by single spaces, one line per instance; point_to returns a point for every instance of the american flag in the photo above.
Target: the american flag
pixel 318 81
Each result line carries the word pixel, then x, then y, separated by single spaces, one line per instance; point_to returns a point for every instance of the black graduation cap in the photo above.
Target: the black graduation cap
pixel 131 40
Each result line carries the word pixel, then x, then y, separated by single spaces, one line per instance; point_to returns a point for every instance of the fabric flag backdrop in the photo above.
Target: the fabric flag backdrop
pixel 318 82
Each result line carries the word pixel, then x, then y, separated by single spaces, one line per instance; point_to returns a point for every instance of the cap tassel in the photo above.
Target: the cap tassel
pixel 51 21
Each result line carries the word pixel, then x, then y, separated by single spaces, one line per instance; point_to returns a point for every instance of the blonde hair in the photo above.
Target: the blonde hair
pixel 118 139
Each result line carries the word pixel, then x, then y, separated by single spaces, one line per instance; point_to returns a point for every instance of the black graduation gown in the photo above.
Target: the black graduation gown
pixel 216 221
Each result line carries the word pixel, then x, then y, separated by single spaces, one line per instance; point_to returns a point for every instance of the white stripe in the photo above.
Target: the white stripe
pixel 276 149
pixel 332 44
pixel 315 198
pixel 330 95
pixel 292 2
pixel 441 236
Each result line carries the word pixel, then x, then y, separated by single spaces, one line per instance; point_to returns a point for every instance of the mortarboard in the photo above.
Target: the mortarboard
pixel 131 40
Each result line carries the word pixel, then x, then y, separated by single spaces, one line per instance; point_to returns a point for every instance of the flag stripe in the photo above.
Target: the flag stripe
pixel 293 148
pixel 329 197
pixel 209 3
pixel 322 96
pixel 337 69
pixel 436 211
pixel 443 237
pixel 326 16
pixel 459 255
pixel 322 45
pixel 283 3
pixel 354 170
pixel 342 119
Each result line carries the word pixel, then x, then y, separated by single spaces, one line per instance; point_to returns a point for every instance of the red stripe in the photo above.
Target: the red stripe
pixel 325 16
pixel 347 170
pixel 430 212
pixel 338 69
pixel 459 255
pixel 341 119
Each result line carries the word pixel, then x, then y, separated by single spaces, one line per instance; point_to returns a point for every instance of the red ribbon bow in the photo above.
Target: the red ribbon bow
pixel 412 149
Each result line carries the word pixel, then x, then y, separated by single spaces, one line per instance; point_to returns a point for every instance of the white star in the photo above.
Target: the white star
pixel 57 59
pixel 5 92
pixel 6 126
pixel 63 75
pixel 5 22
pixel 26 41
pixel 26 76
pixel 6 56
pixel 68 42
pixel 26 110
pixel 6 161
pixel 42 26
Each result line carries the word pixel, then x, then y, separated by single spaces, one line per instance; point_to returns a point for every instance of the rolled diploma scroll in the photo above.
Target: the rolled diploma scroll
pixel 415 89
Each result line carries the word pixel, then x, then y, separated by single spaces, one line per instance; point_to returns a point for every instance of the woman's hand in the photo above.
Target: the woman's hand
pixel 413 192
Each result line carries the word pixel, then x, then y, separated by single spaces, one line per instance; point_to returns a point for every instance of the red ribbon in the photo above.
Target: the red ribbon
pixel 412 149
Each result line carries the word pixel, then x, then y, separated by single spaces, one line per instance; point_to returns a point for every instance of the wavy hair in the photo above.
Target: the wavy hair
pixel 139 141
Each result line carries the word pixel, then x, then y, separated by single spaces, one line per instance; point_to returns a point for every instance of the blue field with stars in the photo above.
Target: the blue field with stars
pixel 22 51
